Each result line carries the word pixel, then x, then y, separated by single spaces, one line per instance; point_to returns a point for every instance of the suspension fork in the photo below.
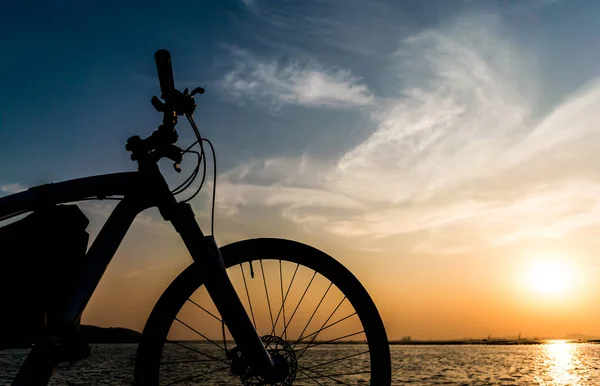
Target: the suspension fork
pixel 205 252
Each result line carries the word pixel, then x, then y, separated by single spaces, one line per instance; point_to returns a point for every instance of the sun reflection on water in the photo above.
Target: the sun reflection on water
pixel 561 363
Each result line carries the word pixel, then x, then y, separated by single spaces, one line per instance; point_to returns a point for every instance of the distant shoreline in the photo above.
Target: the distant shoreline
pixel 499 342
pixel 99 335
pixel 94 334
pixel 467 342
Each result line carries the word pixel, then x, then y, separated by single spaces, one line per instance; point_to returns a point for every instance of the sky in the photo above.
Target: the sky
pixel 444 151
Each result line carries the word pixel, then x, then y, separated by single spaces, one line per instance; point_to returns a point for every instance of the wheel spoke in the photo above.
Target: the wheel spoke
pixel 197 351
pixel 267 292
pixel 330 376
pixel 314 312
pixel 204 309
pixel 326 327
pixel 301 298
pixel 320 329
pixel 248 294
pixel 337 359
pixel 309 377
pixel 199 333
pixel 285 298
pixel 282 302
pixel 331 340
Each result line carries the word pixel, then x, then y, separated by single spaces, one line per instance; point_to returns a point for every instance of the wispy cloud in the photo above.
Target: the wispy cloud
pixel 233 196
pixel 356 27
pixel 275 82
pixel 459 150
pixel 460 107
pixel 99 210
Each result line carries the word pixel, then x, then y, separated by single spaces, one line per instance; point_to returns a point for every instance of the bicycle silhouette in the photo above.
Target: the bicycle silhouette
pixel 309 307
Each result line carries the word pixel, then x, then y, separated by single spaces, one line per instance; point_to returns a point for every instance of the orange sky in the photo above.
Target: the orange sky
pixel 426 296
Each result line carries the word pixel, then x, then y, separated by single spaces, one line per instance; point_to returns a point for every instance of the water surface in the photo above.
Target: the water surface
pixel 560 363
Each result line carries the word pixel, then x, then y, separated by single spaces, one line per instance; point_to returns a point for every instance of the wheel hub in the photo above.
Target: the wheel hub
pixel 284 359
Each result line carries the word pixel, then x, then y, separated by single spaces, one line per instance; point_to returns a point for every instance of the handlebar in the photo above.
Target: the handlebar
pixel 165 75
pixel 160 143
pixel 167 89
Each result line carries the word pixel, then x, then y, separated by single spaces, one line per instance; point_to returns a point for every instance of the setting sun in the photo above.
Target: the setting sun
pixel 549 277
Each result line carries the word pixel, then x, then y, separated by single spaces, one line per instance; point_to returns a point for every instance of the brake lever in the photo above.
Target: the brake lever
pixel 158 105
pixel 183 102
pixel 197 90
pixel 171 152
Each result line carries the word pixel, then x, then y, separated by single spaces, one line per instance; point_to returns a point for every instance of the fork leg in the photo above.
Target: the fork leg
pixel 38 367
pixel 46 354
pixel 206 254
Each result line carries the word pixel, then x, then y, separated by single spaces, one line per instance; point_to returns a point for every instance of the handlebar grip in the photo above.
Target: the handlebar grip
pixel 165 74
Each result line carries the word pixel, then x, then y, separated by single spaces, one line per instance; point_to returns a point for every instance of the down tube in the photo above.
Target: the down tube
pixel 99 257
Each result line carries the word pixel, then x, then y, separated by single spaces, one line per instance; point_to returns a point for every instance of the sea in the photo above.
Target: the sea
pixel 554 363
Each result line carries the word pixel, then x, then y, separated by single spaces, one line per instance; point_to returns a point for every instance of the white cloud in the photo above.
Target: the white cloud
pixel 459 151
pixel 274 82
pixel 231 197
pixel 460 109
pixel 550 211
pixel 357 27
pixel 12 188
pixel 569 129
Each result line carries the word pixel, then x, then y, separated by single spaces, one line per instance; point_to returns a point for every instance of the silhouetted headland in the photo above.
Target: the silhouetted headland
pixel 91 334
pixel 94 334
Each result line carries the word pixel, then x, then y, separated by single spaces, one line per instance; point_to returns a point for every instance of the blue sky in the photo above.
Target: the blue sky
pixel 433 130
pixel 79 75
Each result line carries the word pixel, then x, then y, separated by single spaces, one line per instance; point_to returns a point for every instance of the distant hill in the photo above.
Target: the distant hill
pixel 577 336
pixel 94 334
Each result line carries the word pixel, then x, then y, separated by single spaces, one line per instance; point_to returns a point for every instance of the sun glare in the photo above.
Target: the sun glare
pixel 549 277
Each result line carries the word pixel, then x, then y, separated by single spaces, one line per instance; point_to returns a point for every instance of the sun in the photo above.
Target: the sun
pixel 549 277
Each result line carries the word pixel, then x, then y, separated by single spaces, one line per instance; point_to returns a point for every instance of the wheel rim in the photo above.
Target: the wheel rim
pixel 286 299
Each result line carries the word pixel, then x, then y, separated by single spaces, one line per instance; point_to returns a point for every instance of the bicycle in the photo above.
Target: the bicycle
pixel 285 352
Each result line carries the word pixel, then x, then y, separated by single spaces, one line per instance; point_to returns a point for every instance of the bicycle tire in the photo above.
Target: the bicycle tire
pixel 166 310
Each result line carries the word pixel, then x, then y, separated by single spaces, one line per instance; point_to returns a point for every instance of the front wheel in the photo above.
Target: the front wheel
pixel 310 311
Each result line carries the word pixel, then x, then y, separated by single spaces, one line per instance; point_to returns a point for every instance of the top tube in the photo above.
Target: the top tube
pixel 116 184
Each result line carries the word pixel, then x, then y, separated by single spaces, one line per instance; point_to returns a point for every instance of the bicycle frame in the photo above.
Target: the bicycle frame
pixel 140 190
